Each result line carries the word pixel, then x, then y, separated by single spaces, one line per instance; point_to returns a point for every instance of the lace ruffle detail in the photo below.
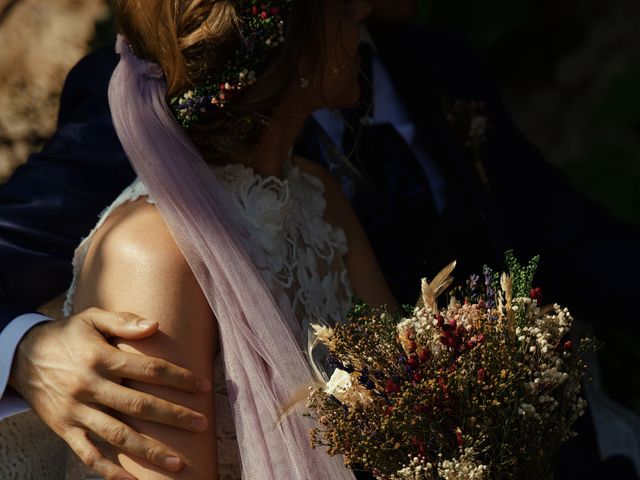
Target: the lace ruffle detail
pixel 29 450
pixel 304 252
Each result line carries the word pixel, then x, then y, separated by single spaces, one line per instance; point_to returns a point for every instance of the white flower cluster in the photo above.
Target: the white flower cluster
pixel 246 78
pixel 545 355
pixel 278 38
pixel 417 469
pixel 527 410
pixel 423 326
pixel 464 468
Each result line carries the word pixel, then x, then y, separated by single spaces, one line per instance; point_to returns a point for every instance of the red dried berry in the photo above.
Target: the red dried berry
pixel 391 387
pixel 423 354
pixel 413 361
pixel 536 294
pixel 420 408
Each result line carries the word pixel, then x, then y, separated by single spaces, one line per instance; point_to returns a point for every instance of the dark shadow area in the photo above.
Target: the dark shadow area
pixel 569 73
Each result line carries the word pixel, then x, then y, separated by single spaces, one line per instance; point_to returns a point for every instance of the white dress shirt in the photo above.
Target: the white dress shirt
pixel 10 337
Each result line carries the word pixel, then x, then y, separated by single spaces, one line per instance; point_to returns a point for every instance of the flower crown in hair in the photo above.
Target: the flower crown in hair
pixel 262 32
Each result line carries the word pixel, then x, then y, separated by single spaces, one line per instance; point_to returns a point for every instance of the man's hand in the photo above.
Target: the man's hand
pixel 69 373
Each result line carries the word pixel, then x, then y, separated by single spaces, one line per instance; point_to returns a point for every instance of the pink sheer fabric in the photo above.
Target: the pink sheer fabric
pixel 263 362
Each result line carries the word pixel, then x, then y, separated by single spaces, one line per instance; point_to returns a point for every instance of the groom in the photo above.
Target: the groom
pixel 422 194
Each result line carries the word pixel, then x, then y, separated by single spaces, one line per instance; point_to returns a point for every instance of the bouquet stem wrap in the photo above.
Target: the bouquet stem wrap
pixel 263 362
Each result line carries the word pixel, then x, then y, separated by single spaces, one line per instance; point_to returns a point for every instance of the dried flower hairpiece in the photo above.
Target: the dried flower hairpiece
pixel 262 32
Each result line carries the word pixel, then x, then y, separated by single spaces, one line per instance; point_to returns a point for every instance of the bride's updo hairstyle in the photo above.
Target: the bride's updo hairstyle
pixel 193 39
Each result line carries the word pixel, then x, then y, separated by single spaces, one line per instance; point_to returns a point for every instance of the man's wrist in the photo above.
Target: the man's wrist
pixel 10 338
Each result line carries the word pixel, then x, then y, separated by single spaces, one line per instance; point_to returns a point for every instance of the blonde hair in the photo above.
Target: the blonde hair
pixel 192 39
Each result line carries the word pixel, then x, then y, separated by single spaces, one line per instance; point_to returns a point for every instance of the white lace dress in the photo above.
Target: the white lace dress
pixel 285 217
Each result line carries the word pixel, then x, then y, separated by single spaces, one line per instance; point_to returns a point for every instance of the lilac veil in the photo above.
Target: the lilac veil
pixel 263 362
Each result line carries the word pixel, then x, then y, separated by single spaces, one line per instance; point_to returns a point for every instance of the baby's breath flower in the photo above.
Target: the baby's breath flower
pixel 432 395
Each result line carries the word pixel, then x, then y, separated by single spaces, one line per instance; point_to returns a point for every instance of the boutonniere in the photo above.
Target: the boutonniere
pixel 470 125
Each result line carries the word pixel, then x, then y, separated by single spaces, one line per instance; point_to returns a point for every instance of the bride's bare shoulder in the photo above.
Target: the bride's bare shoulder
pixel 137 233
pixel 133 248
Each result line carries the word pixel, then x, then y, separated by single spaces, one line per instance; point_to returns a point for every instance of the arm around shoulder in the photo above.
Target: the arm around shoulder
pixel 134 265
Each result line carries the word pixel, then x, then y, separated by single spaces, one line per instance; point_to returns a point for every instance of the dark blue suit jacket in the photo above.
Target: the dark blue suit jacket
pixel 590 261
pixel 50 203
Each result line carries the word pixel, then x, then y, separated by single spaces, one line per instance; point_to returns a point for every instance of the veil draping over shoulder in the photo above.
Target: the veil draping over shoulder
pixel 263 362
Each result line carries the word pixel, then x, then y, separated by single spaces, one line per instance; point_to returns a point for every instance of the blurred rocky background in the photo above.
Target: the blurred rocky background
pixel 569 70
pixel 39 42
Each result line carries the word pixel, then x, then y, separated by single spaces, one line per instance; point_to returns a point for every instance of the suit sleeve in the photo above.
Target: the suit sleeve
pixel 51 202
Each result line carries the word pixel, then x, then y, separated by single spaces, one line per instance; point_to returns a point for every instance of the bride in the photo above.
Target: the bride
pixel 226 239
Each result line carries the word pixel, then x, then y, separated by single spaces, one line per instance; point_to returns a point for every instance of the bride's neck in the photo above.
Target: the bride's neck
pixel 276 142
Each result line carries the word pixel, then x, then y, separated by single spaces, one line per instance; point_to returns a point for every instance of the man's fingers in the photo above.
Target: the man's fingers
pixel 79 442
pixel 147 407
pixel 119 324
pixel 155 371
pixel 126 439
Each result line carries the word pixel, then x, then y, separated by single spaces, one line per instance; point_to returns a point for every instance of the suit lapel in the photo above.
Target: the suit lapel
pixel 423 86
